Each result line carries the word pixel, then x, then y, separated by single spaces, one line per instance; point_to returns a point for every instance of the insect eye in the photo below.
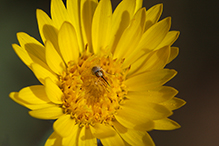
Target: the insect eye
pixel 95 69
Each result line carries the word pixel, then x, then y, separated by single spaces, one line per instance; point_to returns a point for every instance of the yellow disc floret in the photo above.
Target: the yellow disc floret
pixel 93 89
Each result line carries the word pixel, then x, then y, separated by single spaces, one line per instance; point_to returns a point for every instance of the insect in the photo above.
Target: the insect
pixel 99 73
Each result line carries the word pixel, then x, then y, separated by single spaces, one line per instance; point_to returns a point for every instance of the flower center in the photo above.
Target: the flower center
pixel 93 89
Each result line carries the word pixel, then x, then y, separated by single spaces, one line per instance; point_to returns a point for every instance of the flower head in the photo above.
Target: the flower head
pixel 102 73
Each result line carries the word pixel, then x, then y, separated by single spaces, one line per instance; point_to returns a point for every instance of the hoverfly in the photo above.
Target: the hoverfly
pixel 98 72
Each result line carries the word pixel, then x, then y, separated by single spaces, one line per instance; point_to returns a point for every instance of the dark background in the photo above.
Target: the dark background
pixel 197 79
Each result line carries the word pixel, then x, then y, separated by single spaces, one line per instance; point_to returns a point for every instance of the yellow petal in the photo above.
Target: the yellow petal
pixel 54 140
pixel 148 140
pixel 154 35
pixel 53 59
pixel 38 106
pixel 34 94
pixel 48 31
pixel 131 35
pixel 102 131
pixel 153 15
pixel 29 59
pixel 139 4
pixel 157 60
pixel 133 137
pixel 120 20
pixel 68 43
pixel 169 39
pixel 73 8
pixel 53 92
pixel 58 12
pixel 73 138
pixel 156 95
pixel 145 110
pixel 23 55
pixel 88 8
pixel 43 20
pixel 124 9
pixel 174 51
pixel 101 25
pixel 174 103
pixel 42 73
pixel 49 113
pixel 165 124
pixel 110 141
pixel 14 96
pixel 42 65
pixel 133 119
pixel 149 80
pixel 64 125
pixel 31 45
pixel 154 61
pixel 86 138
pixel 149 40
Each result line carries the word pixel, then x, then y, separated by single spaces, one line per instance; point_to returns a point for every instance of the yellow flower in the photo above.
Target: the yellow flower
pixel 102 73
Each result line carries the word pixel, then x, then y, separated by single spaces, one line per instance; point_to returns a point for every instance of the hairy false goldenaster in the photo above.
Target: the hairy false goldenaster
pixel 102 73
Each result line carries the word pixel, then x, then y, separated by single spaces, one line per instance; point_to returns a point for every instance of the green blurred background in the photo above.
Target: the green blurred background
pixel 197 79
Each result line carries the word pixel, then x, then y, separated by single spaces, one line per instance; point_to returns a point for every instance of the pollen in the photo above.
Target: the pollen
pixel 93 89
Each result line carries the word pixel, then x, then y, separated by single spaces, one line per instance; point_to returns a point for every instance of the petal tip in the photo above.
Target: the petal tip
pixel 12 94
